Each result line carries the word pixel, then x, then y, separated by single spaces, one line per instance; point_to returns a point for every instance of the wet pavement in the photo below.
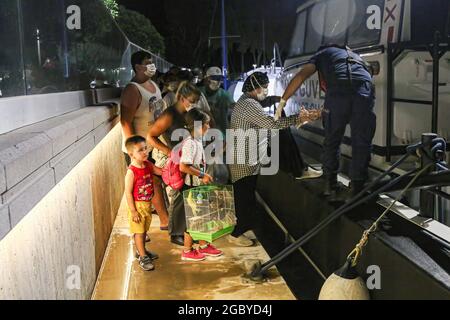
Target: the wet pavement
pixel 218 278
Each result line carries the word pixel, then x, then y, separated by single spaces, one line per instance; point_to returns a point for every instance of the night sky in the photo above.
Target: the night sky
pixel 187 24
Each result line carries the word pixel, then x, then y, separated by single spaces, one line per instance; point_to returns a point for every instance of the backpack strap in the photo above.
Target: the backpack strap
pixel 349 67
pixel 351 60
pixel 203 164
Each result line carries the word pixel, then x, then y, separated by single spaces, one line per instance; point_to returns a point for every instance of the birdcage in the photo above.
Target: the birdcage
pixel 209 212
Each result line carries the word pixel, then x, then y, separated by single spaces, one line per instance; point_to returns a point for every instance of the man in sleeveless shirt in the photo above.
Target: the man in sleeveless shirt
pixel 137 114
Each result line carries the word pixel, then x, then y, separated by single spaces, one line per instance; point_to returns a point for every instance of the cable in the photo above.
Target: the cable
pixel 379 178
pixel 291 248
pixel 357 251
pixel 259 270
pixel 441 167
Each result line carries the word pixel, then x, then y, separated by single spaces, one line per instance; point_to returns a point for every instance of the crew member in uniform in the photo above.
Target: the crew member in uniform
pixel 350 99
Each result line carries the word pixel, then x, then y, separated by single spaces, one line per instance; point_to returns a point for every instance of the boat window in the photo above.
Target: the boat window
pixel 315 26
pixel 337 20
pixel 298 40
pixel 353 22
pixel 365 28
pixel 422 27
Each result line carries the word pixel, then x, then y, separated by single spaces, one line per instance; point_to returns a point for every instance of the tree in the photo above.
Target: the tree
pixel 113 7
pixel 141 31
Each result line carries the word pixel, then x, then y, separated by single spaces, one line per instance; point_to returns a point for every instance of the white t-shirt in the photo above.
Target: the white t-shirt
pixel 193 153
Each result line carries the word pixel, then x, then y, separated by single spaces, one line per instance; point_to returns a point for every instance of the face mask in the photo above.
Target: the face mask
pixel 196 80
pixel 263 95
pixel 151 70
pixel 214 85
pixel 265 92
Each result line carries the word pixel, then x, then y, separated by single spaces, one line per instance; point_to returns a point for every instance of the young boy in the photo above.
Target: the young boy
pixel 139 193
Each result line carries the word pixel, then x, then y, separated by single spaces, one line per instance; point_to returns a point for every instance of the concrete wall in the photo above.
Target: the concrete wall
pixel 69 228
pixel 22 111
pixel 35 158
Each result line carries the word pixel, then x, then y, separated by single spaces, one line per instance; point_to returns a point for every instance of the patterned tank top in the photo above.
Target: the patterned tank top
pixel 143 182
pixel 144 116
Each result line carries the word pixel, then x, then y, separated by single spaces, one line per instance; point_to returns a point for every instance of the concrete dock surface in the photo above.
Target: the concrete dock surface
pixel 219 278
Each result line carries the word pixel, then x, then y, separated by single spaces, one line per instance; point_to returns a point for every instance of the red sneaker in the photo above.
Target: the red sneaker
pixel 211 251
pixel 192 255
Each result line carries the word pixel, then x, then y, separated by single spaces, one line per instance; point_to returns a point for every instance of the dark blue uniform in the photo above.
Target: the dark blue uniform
pixel 349 99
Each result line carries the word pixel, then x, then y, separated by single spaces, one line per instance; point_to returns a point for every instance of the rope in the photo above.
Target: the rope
pixel 357 251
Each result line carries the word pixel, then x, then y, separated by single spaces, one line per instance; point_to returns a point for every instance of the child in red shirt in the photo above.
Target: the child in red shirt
pixel 139 194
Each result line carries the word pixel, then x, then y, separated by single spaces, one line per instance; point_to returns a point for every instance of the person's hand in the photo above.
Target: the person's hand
pixel 304 116
pixel 207 179
pixel 166 151
pixel 136 217
pixel 315 114
pixel 280 108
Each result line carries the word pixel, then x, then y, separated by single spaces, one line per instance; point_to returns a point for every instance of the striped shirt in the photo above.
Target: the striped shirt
pixel 249 114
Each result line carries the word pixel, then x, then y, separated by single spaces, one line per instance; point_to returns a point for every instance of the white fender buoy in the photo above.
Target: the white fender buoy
pixel 344 284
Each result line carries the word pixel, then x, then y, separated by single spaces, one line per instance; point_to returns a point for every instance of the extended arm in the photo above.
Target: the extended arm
pixel 157 171
pixel 191 170
pixel 256 115
pixel 306 72
pixel 159 127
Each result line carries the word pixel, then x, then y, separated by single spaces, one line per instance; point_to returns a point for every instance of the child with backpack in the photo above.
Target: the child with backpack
pixel 193 165
pixel 163 137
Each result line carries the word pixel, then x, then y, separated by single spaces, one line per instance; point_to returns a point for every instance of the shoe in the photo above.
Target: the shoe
pixel 192 255
pixel 241 241
pixel 146 263
pixel 150 254
pixel 210 251
pixel 178 240
pixel 147 238
pixel 331 185
pixel 310 173
pixel 164 228
pixel 339 194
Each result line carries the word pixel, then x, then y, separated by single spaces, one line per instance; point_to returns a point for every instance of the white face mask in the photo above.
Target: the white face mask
pixel 214 85
pixel 151 70
pixel 263 94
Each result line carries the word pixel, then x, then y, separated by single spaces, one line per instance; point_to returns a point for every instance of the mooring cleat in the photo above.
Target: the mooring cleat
pixel 254 272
